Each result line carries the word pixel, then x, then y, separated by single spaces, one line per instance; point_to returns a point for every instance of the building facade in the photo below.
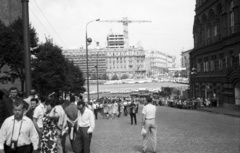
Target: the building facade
pixel 216 53
pixel 96 59
pixel 115 41
pixel 128 61
pixel 185 62
pixel 157 61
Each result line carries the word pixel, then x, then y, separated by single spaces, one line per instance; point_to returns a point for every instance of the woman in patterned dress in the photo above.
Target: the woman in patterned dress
pixel 49 135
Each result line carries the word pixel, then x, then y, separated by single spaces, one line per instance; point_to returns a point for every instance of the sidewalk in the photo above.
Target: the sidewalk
pixel 221 110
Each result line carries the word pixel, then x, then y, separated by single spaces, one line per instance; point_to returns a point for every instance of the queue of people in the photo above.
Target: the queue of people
pixel 40 124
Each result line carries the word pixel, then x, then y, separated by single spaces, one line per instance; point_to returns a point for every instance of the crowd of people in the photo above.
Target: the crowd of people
pixel 41 124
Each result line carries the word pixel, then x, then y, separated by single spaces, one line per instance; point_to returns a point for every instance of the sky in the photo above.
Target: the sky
pixel 169 31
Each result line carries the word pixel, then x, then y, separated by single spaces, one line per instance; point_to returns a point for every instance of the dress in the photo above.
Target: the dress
pixel 50 136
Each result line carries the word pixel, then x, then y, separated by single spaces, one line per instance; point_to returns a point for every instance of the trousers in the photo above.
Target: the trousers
pixel 22 149
pixel 82 141
pixel 150 139
pixel 133 116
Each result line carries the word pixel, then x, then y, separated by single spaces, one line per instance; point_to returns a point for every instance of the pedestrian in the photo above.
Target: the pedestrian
pixel 38 116
pixel 95 110
pixel 71 115
pixel 18 133
pixel 49 135
pixel 8 102
pixel 115 109
pixel 86 125
pixel 125 107
pixel 149 124
pixel 61 123
pixel 34 103
pixel 132 108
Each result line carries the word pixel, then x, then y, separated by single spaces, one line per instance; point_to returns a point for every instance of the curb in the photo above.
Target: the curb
pixel 219 113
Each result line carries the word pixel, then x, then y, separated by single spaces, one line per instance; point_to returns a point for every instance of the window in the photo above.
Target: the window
pixel 232 17
pixel 198 67
pixel 212 66
pixel 239 58
pixel 207 66
pixel 220 64
pixel 208 33
pixel 204 67
pixel 215 30
pixel 226 61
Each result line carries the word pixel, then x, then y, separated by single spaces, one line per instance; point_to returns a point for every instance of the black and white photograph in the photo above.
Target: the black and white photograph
pixel 119 76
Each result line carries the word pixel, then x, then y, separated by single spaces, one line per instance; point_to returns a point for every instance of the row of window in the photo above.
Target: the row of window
pixel 210 66
pixel 208 30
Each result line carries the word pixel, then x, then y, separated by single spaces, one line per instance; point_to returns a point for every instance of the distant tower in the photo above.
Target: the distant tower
pixel 10 10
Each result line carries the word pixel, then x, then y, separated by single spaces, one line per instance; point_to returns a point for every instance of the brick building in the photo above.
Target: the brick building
pixel 216 53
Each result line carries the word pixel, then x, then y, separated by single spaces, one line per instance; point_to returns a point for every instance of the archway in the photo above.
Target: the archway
pixel 237 94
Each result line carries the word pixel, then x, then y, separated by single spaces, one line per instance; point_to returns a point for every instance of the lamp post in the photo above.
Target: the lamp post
pixel 26 42
pixel 88 42
pixel 97 75
pixel 193 73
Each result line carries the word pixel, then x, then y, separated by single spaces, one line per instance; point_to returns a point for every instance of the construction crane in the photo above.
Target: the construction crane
pixel 125 22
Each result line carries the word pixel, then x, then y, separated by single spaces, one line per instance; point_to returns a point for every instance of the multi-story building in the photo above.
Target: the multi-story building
pixel 216 53
pixel 157 61
pixel 185 62
pixel 115 41
pixel 96 57
pixel 129 61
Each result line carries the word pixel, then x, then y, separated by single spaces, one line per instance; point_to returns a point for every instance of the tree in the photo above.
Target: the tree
pixel 93 76
pixel 124 76
pixel 105 76
pixel 74 79
pixel 49 70
pixel 11 50
pixel 115 77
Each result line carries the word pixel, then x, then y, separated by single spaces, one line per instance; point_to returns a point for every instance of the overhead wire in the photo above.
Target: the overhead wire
pixel 39 21
pixel 50 24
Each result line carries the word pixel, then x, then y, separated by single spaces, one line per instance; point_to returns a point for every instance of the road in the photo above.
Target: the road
pixel 179 131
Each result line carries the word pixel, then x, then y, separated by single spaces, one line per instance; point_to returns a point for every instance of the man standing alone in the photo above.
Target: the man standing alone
pixel 133 113
pixel 148 122
pixel 86 125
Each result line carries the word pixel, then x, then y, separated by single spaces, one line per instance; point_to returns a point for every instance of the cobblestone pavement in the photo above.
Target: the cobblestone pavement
pixel 179 131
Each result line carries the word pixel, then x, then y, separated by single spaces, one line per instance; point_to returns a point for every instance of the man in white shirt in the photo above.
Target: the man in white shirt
pixel 148 122
pixel 38 115
pixel 18 132
pixel 86 125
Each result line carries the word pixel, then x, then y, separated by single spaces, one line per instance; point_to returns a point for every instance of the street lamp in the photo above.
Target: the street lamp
pixel 88 42
pixel 97 74
pixel 193 73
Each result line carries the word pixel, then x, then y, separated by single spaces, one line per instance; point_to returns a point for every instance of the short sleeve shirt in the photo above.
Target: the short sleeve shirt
pixel 150 111
pixel 38 114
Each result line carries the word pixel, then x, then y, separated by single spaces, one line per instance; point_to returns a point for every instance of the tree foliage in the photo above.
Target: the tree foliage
pixel 48 68
pixel 105 76
pixel 115 77
pixel 53 73
pixel 11 49
pixel 124 76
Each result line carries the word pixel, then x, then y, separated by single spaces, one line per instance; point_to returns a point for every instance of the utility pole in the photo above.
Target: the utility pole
pixel 26 41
